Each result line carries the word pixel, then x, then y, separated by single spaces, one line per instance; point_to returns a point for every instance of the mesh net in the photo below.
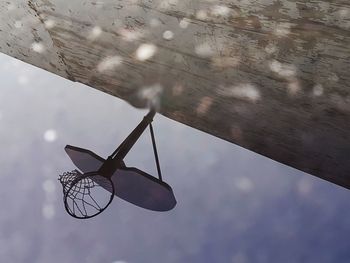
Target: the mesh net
pixel 67 178
pixel 85 196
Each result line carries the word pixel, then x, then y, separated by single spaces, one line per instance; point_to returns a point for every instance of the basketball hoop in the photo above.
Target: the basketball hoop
pixel 88 194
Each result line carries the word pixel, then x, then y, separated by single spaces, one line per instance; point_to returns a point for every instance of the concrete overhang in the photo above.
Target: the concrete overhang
pixel 270 76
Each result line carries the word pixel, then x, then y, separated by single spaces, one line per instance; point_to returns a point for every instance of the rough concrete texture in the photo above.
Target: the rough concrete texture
pixel 271 76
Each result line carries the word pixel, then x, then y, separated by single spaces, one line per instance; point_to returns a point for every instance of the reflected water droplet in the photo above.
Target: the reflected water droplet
pixel 168 35
pixel 109 63
pixel 184 23
pixel 244 184
pixel 284 70
pixel 49 186
pixel 48 211
pixel 151 94
pixel 318 90
pixel 130 35
pixel 204 50
pixel 220 10
pixel 245 91
pixel 50 23
pixel 50 135
pixel 145 51
pixel 95 33
pixel 38 47
pixel 204 105
pixel 201 15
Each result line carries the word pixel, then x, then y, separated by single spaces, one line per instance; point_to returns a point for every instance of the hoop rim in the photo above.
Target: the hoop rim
pixel 76 180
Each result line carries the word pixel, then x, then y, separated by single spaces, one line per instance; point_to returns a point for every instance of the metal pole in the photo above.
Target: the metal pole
pixel 129 142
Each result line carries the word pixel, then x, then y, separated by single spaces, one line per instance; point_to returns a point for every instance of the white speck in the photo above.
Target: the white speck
pixel 204 50
pixel 204 105
pixel 243 91
pixel 109 63
pixel 201 15
pixel 48 211
pixel 130 35
pixel 49 24
pixel 318 90
pixel 151 94
pixel 184 23
pixel 168 35
pixel 244 184
pixel 220 10
pixel 145 51
pixel 38 47
pixel 50 135
pixel 49 186
pixel 18 24
pixel 95 33
pixel 284 70
pixel 275 66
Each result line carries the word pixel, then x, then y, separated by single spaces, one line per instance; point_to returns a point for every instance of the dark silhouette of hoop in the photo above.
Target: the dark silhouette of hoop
pixel 132 185
pixel 138 188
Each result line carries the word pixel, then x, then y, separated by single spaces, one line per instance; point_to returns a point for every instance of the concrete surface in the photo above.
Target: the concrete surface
pixel 270 76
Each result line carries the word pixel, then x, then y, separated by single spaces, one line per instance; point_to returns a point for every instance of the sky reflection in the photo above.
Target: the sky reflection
pixel 233 205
